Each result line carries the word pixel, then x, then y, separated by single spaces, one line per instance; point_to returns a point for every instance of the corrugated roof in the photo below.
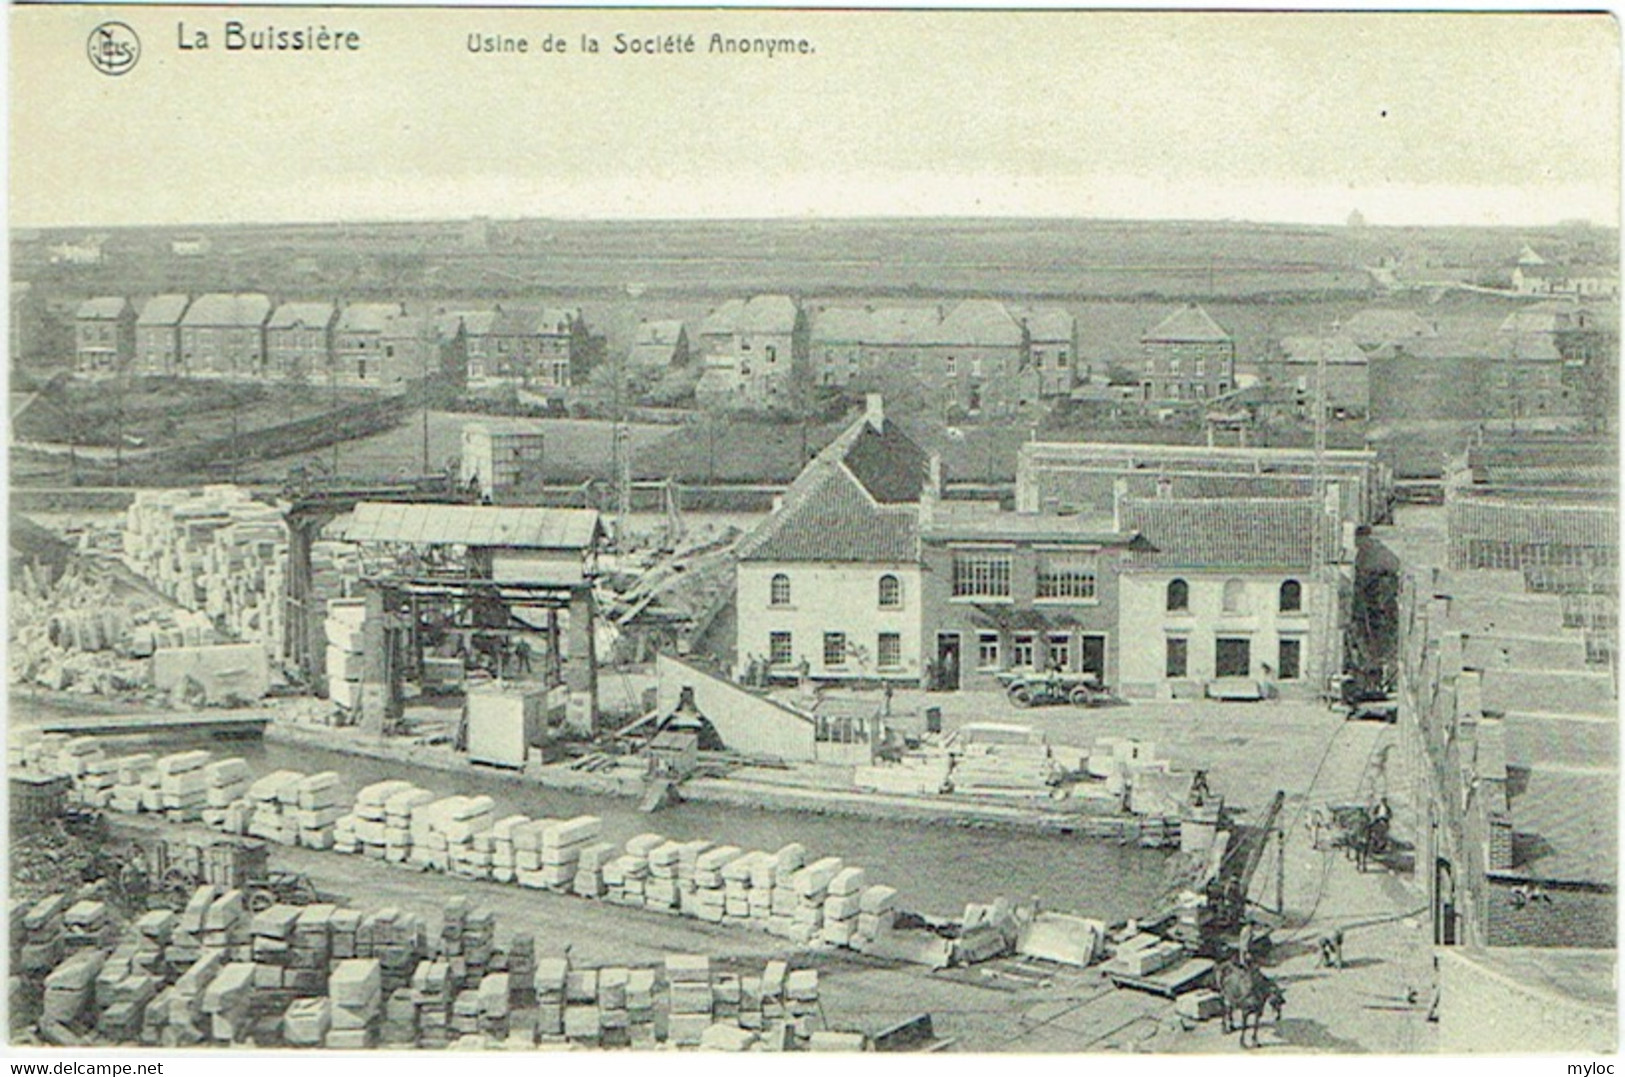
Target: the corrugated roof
pixel 163 310
pixel 1337 349
pixel 246 310
pixel 106 306
pixel 474 525
pixel 1189 324
pixel 768 314
pixel 977 323
pixel 302 316
pixel 1240 533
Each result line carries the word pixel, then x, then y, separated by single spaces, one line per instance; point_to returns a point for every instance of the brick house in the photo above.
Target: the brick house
pixel 534 348
pixel 380 346
pixel 158 335
pixel 1187 356
pixel 1004 590
pixel 299 341
pixel 830 583
pixel 1053 350
pixel 1296 370
pixel 976 346
pixel 223 335
pixel 103 336
pixel 754 353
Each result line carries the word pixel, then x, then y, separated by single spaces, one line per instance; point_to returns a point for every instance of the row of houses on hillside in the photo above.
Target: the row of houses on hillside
pixel 245 336
pixel 1393 364
pixel 865 572
pixel 1535 275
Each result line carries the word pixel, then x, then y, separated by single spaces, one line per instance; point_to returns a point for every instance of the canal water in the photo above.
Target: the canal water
pixel 936 869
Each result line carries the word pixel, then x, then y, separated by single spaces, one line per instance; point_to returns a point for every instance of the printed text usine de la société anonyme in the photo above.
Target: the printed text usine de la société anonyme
pixel 624 44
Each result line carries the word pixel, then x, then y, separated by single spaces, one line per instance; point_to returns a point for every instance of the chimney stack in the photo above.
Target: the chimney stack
pixel 874 410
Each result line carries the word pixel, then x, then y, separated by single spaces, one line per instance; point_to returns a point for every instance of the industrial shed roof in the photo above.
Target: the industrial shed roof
pixel 474 525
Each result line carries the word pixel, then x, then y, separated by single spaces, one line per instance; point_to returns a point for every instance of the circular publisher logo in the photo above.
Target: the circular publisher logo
pixel 113 48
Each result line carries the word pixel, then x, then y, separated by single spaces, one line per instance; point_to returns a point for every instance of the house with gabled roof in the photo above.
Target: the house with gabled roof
pixel 829 585
pixel 1187 357
pixel 754 353
pixel 103 335
pixel 299 341
pixel 1233 595
pixel 158 334
pixel 976 346
pixel 1376 327
pixel 223 335
pixel 1304 366
pixel 1052 349
pixel 381 346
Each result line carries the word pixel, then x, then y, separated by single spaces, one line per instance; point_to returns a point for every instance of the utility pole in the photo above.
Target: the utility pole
pixel 1325 617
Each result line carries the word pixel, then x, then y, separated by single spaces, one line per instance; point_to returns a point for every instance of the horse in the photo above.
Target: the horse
pixel 1250 992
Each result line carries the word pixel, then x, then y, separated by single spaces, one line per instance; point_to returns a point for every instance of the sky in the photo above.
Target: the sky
pixel 1410 118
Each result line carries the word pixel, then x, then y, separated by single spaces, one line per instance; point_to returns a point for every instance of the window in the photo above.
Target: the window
pixel 834 648
pixel 1291 596
pixel 1060 358
pixel 1021 651
pixel 1179 596
pixel 1066 575
pixel 779 590
pixel 891 592
pixel 1233 657
pixel 889 650
pixel 1290 664
pixel 1235 596
pixel 1177 663
pixel 987 650
pixel 779 652
pixel 772 354
pixel 981 575
pixel 976 368
pixel 951 366
pixel 1058 651
pixel 1173 366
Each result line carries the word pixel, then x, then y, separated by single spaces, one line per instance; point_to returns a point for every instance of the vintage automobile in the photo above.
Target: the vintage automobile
pixel 1034 687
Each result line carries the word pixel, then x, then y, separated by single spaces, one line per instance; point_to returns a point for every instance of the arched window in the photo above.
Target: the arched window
pixel 1179 596
pixel 779 590
pixel 1291 596
pixel 891 592
pixel 1235 596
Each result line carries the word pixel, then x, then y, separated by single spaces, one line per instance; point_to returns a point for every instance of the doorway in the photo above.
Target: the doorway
pixel 1092 656
pixel 947 679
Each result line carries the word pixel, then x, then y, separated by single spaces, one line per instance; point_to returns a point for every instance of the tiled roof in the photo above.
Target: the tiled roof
pixel 768 314
pixel 842 325
pixel 978 323
pixel 1526 523
pixel 1250 533
pixel 662 331
pixel 163 310
pixel 107 306
pixel 1050 324
pixel 856 501
pixel 368 317
pixel 1549 316
pixel 247 310
pixel 724 319
pixel 1383 325
pixel 301 316
pixel 985 520
pixel 1189 324
pixel 475 323
pixel 1337 349
pixel 903 325
pixel 533 321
